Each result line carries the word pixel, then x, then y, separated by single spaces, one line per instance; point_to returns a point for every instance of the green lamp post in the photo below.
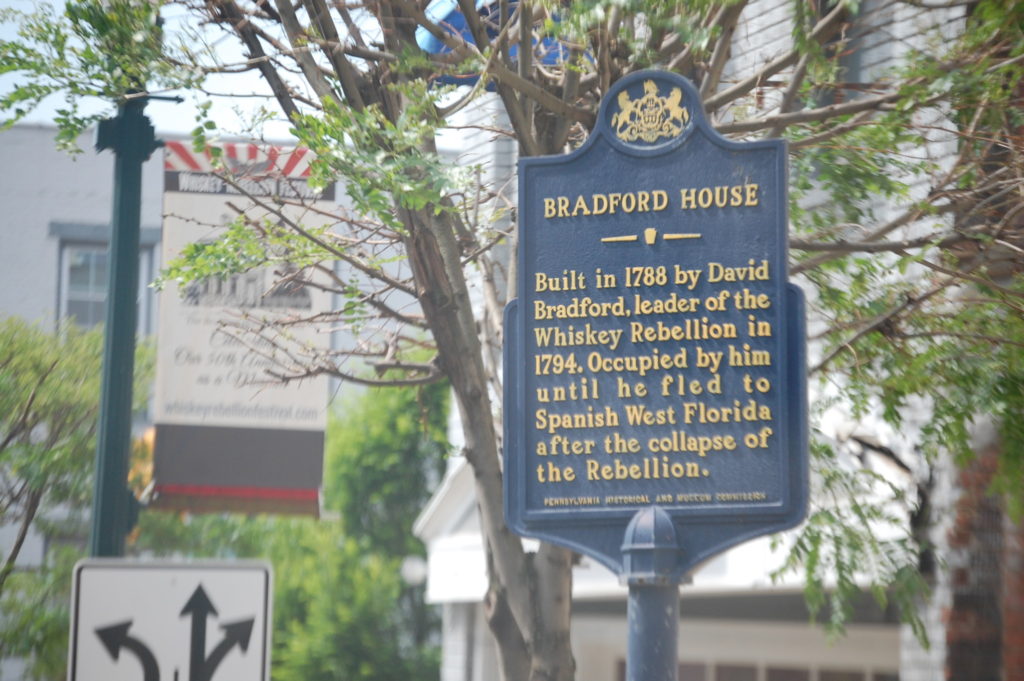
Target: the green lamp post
pixel 132 139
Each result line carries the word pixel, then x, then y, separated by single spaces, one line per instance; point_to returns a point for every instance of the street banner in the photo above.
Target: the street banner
pixel 228 435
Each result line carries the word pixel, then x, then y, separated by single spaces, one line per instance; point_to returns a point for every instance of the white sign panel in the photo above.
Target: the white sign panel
pixel 206 376
pixel 135 621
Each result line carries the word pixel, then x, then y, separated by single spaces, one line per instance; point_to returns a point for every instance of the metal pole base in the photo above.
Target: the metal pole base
pixel 653 615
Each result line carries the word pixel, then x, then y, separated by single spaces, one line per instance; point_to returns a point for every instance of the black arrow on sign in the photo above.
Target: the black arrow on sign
pixel 116 637
pixel 201 667
pixel 199 607
pixel 237 633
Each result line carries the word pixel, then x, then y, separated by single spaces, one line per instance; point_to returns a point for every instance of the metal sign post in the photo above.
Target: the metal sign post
pixel 131 137
pixel 652 612
pixel 655 389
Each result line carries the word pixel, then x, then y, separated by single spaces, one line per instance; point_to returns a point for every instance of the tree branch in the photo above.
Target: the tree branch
pixel 299 38
pixel 726 22
pixel 244 30
pixel 331 45
pixel 822 31
pixel 784 120
pixel 846 247
pixel 374 273
pixel 29 514
pixel 882 320
pixel 789 97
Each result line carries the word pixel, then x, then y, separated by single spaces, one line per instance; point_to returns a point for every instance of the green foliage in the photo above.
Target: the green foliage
pixel 239 249
pixel 383 161
pixel 36 612
pixel 341 609
pixel 854 538
pixel 215 536
pixel 49 406
pixel 336 614
pixel 856 170
pixel 49 399
pixel 1008 393
pixel 922 328
pixel 385 454
pixel 243 246
pixel 912 331
pixel 100 50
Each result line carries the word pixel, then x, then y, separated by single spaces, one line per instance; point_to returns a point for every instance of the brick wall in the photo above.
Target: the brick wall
pixel 974 620
pixel 1013 601
pixel 985 620
pixel 975 615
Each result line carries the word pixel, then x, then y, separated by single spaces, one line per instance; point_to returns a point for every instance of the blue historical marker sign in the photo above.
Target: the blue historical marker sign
pixel 655 352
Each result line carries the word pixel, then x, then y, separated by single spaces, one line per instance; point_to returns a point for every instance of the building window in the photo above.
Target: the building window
pixel 84 271
pixel 84 298
pixel 692 671
pixel 840 675
pixel 735 672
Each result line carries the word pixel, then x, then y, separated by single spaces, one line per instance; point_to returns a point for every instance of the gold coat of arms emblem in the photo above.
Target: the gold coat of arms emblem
pixel 650 117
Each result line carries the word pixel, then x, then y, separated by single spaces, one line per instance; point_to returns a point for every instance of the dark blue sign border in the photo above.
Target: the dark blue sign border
pixel 703 529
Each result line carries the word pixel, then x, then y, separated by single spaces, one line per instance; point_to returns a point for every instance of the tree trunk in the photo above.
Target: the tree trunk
pixel 535 591
pixel 31 507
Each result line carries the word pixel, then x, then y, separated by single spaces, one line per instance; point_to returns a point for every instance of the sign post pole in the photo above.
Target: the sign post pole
pixel 649 550
pixel 131 137
pixel 653 616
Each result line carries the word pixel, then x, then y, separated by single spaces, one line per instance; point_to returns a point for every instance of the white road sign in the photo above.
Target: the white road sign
pixel 149 621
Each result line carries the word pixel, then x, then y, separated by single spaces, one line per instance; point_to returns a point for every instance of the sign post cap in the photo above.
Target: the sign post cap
pixel 650 548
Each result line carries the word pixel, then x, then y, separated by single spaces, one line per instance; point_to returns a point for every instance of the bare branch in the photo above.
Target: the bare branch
pixel 355 379
pixel 373 272
pixel 880 321
pixel 939 333
pixel 246 33
pixel 912 214
pixel 784 120
pixel 822 31
pixel 353 28
pixel 28 515
pixel 21 425
pixel 298 37
pixel 725 21
pixel 861 119
pixel 543 97
pixel 331 45
pixel 879 246
pixel 789 97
